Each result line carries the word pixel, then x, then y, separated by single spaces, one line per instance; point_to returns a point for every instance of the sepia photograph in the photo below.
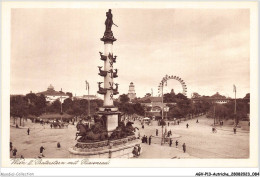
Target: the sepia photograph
pixel 131 83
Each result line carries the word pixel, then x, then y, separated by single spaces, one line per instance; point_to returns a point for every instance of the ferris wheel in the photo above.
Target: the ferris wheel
pixel 164 83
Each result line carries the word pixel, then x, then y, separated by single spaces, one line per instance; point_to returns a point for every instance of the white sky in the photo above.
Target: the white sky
pixel 207 48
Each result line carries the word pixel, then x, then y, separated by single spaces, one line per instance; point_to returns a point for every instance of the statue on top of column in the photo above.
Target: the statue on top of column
pixel 109 22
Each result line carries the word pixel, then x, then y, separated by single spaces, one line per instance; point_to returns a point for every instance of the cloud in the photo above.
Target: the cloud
pixel 208 48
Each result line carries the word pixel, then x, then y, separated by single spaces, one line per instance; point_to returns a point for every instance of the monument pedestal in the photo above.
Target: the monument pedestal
pixel 121 148
pixel 111 117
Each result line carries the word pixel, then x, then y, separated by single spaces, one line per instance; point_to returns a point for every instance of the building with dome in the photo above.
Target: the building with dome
pixel 131 92
pixel 51 95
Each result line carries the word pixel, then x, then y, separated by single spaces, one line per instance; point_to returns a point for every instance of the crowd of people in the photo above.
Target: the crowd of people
pixel 167 134
pixel 147 140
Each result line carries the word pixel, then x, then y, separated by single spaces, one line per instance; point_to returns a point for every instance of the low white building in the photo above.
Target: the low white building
pixel 51 95
pixel 87 97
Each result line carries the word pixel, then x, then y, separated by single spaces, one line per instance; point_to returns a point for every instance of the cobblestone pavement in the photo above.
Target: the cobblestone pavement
pixel 200 141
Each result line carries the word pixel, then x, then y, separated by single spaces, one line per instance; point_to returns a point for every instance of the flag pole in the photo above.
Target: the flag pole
pixel 87 88
pixel 235 109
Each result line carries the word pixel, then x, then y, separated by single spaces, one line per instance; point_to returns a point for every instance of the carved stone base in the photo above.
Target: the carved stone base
pixel 115 149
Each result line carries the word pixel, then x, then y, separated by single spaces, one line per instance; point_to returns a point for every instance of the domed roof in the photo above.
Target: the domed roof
pixel 50 87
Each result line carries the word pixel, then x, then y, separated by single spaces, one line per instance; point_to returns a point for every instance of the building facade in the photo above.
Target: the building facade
pixel 51 95
pixel 87 97
pixel 131 92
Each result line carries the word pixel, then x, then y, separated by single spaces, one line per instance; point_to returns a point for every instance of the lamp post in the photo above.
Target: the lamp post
pixel 162 85
pixel 87 88
pixel 214 112
pixel 61 107
pixel 166 110
pixel 235 109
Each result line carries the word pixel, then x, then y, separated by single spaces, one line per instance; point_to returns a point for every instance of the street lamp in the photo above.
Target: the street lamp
pixel 164 81
pixel 61 107
pixel 235 109
pixel 166 109
pixel 214 112
pixel 161 86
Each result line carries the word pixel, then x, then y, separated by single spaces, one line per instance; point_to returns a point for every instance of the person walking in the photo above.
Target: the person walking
pixel 197 121
pixel 170 143
pixel 157 132
pixel 170 132
pixel 58 145
pixel 235 130
pixel 187 125
pixel 41 151
pixel 28 131
pixel 139 149
pixel 176 143
pixel 150 139
pixel 11 146
pixel 51 125
pixel 168 124
pixel 178 122
pixel 184 147
pixel 14 152
pixel 134 152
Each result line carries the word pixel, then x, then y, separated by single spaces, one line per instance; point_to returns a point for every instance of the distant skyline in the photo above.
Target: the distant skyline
pixel 208 48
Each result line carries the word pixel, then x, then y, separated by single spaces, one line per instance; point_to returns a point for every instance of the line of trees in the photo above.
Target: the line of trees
pixel 179 106
pixel 32 105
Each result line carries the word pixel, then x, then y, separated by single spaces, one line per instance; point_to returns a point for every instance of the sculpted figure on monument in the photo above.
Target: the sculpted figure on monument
pixel 109 21
pixel 99 87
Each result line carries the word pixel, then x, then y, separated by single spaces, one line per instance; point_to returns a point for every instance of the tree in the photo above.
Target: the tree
pixel 67 105
pixel 195 95
pixel 18 107
pixel 169 98
pixel 247 96
pixel 55 107
pixel 124 98
pixel 138 109
pixel 174 112
pixel 69 94
pixel 36 104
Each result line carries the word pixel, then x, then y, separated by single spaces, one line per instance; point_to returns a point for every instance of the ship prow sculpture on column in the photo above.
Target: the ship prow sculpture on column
pixel 108 137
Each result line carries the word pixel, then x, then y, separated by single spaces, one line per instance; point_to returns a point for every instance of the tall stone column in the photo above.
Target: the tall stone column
pixel 108 80
pixel 108 112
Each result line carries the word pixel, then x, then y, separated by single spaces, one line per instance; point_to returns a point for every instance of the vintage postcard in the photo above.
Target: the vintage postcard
pixel 129 84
